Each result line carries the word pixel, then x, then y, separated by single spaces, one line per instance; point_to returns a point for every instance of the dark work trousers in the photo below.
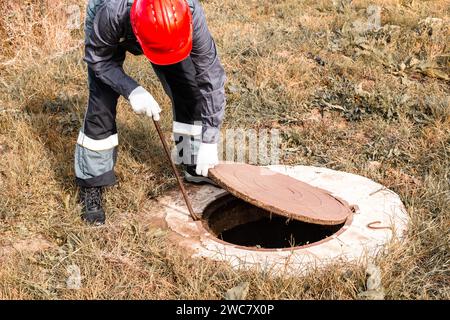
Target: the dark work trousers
pixel 96 149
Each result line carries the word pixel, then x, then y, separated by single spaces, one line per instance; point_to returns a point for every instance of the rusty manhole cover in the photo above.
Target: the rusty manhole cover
pixel 281 194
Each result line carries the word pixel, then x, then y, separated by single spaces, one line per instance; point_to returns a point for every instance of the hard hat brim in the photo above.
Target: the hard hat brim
pixel 167 58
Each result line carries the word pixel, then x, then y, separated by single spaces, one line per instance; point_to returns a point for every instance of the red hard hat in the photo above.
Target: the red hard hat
pixel 163 28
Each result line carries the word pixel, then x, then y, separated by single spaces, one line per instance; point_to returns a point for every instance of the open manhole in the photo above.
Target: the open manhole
pixel 255 232
pixel 235 221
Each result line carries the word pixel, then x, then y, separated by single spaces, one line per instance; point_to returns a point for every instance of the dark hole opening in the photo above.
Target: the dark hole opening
pixel 238 222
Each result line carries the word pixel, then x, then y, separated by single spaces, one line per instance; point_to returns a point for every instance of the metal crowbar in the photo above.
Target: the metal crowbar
pixel 175 171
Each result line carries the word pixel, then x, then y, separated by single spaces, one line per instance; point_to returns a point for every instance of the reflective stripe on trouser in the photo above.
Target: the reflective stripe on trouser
pixel 187 141
pixel 96 149
pixel 180 84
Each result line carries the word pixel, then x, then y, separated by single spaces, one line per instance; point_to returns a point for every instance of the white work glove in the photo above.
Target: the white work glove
pixel 143 102
pixel 206 158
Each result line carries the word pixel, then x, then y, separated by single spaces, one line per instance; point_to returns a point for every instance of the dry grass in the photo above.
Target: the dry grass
pixel 289 64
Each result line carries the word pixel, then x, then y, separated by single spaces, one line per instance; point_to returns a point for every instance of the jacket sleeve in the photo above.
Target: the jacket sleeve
pixel 210 75
pixel 102 52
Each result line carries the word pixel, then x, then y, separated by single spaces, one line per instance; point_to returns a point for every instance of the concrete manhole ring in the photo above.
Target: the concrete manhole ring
pixel 380 218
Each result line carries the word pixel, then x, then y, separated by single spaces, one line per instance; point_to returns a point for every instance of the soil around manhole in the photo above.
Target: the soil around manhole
pixel 237 222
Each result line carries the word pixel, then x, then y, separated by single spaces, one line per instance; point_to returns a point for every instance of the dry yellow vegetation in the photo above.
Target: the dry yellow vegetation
pixel 371 101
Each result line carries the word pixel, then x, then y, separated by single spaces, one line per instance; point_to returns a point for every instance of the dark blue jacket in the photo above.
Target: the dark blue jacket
pixel 109 36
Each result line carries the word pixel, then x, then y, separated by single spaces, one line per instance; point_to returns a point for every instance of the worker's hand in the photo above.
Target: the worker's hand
pixel 206 158
pixel 143 102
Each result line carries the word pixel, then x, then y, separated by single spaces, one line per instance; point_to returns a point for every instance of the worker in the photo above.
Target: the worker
pixel 174 37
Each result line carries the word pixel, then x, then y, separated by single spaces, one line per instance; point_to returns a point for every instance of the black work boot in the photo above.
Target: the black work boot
pixel 191 176
pixel 91 199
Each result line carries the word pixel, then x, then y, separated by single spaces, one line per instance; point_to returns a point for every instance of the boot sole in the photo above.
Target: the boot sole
pixel 197 179
pixel 95 218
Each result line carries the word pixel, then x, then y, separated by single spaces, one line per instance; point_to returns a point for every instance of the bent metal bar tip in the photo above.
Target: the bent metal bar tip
pixel 180 183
